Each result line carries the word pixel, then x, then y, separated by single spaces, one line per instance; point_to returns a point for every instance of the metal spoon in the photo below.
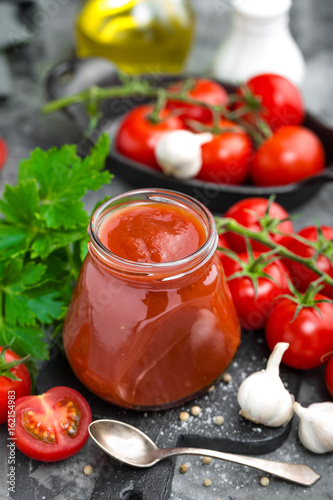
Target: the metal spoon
pixel 132 447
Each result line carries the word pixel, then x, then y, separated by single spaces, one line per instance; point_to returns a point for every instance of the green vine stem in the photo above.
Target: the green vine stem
pixel 225 224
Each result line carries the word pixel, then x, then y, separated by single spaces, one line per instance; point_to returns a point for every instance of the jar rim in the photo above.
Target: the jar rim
pixel 126 198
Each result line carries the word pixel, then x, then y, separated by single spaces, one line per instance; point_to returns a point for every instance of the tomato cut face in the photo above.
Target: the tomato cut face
pixel 52 426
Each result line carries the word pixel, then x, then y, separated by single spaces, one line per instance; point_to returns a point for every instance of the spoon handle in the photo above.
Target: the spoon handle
pixel 296 473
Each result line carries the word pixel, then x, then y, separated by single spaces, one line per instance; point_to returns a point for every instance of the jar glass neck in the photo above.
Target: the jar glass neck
pixel 160 270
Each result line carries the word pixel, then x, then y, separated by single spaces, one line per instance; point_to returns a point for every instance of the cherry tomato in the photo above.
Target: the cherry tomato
pixel 52 426
pixel 310 334
pixel 9 387
pixel 3 153
pixel 246 213
pixel 137 135
pixel 290 155
pixel 301 275
pixel 204 90
pixel 253 311
pixel 226 158
pixel 329 376
pixel 281 100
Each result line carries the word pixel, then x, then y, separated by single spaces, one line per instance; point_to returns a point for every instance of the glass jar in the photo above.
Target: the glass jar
pixel 138 36
pixel 146 335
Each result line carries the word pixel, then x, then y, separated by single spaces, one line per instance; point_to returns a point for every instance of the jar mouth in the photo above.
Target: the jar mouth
pixel 139 196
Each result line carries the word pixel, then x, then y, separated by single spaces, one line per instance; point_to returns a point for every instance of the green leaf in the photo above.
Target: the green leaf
pixel 17 311
pixel 14 240
pixel 46 307
pixel 64 213
pixel 27 340
pixel 20 204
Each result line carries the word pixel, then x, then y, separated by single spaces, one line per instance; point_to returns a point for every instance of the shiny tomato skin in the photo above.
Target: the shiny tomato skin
pixel 137 136
pixel 245 212
pixel 226 158
pixel 3 153
pixel 13 387
pixel 55 413
pixel 281 100
pixel 310 335
pixel 204 90
pixel 253 312
pixel 329 376
pixel 301 275
pixel 291 154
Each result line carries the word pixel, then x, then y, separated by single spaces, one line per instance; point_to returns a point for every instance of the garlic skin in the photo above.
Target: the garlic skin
pixel 315 429
pixel 262 396
pixel 179 154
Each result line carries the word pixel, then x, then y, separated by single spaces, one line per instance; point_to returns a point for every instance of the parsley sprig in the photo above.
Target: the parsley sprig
pixel 43 236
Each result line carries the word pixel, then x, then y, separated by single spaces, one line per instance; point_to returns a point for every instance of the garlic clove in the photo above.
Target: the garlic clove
pixel 315 429
pixel 179 154
pixel 262 396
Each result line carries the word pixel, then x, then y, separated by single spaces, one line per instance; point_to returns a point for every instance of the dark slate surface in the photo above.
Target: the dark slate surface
pixel 24 128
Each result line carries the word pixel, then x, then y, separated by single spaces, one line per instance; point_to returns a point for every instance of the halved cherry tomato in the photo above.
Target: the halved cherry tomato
pixel 52 426
pixel 204 90
pixel 329 376
pixel 226 158
pixel 246 212
pixel 281 100
pixel 3 153
pixel 310 334
pixel 11 390
pixel 253 309
pixel 301 275
pixel 291 154
pixel 137 135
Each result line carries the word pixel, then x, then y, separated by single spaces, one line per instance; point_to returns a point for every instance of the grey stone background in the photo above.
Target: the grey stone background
pixel 23 127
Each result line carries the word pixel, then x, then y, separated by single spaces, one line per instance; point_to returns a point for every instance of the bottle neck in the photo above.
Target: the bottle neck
pixel 260 25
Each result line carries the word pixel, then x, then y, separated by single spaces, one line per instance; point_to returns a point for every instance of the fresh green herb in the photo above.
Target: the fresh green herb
pixel 43 235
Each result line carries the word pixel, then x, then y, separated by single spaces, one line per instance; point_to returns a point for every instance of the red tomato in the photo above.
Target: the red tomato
pixel 246 213
pixel 310 335
pixel 3 153
pixel 281 100
pixel 226 159
pixel 301 275
pixel 329 376
pixel 11 390
pixel 253 312
pixel 290 155
pixel 204 90
pixel 52 426
pixel 137 136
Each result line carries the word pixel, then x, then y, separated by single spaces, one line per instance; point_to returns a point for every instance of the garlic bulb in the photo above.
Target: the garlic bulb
pixel 316 426
pixel 263 397
pixel 178 152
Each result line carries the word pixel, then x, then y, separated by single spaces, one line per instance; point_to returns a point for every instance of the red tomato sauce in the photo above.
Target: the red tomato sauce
pixel 140 341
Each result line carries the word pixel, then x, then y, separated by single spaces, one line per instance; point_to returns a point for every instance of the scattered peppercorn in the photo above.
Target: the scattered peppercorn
pixel 206 460
pixel 207 482
pixel 226 377
pixel 212 388
pixel 264 481
pixel 184 416
pixel 88 470
pixel 219 420
pixel 183 468
pixel 195 410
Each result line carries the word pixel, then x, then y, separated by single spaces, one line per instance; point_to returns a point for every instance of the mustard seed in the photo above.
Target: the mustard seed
pixel 183 468
pixel 206 460
pixel 212 388
pixel 207 482
pixel 88 470
pixel 184 416
pixel 227 378
pixel 195 410
pixel 219 420
pixel 264 481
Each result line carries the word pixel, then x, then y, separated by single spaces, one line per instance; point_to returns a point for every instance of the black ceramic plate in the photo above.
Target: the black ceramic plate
pixel 75 75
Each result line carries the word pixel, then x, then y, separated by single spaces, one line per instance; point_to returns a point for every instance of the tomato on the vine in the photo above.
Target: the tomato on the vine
pixel 247 212
pixel 254 306
pixel 226 158
pixel 329 376
pixel 203 90
pixel 291 154
pixel 300 274
pixel 138 135
pixel 281 101
pixel 309 334
pixel 14 381
pixel 52 426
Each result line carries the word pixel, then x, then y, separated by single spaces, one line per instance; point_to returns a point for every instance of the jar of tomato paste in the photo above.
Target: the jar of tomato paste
pixel 151 323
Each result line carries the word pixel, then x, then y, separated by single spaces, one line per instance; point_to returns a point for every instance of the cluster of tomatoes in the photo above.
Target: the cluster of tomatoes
pixel 258 136
pixel 273 293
